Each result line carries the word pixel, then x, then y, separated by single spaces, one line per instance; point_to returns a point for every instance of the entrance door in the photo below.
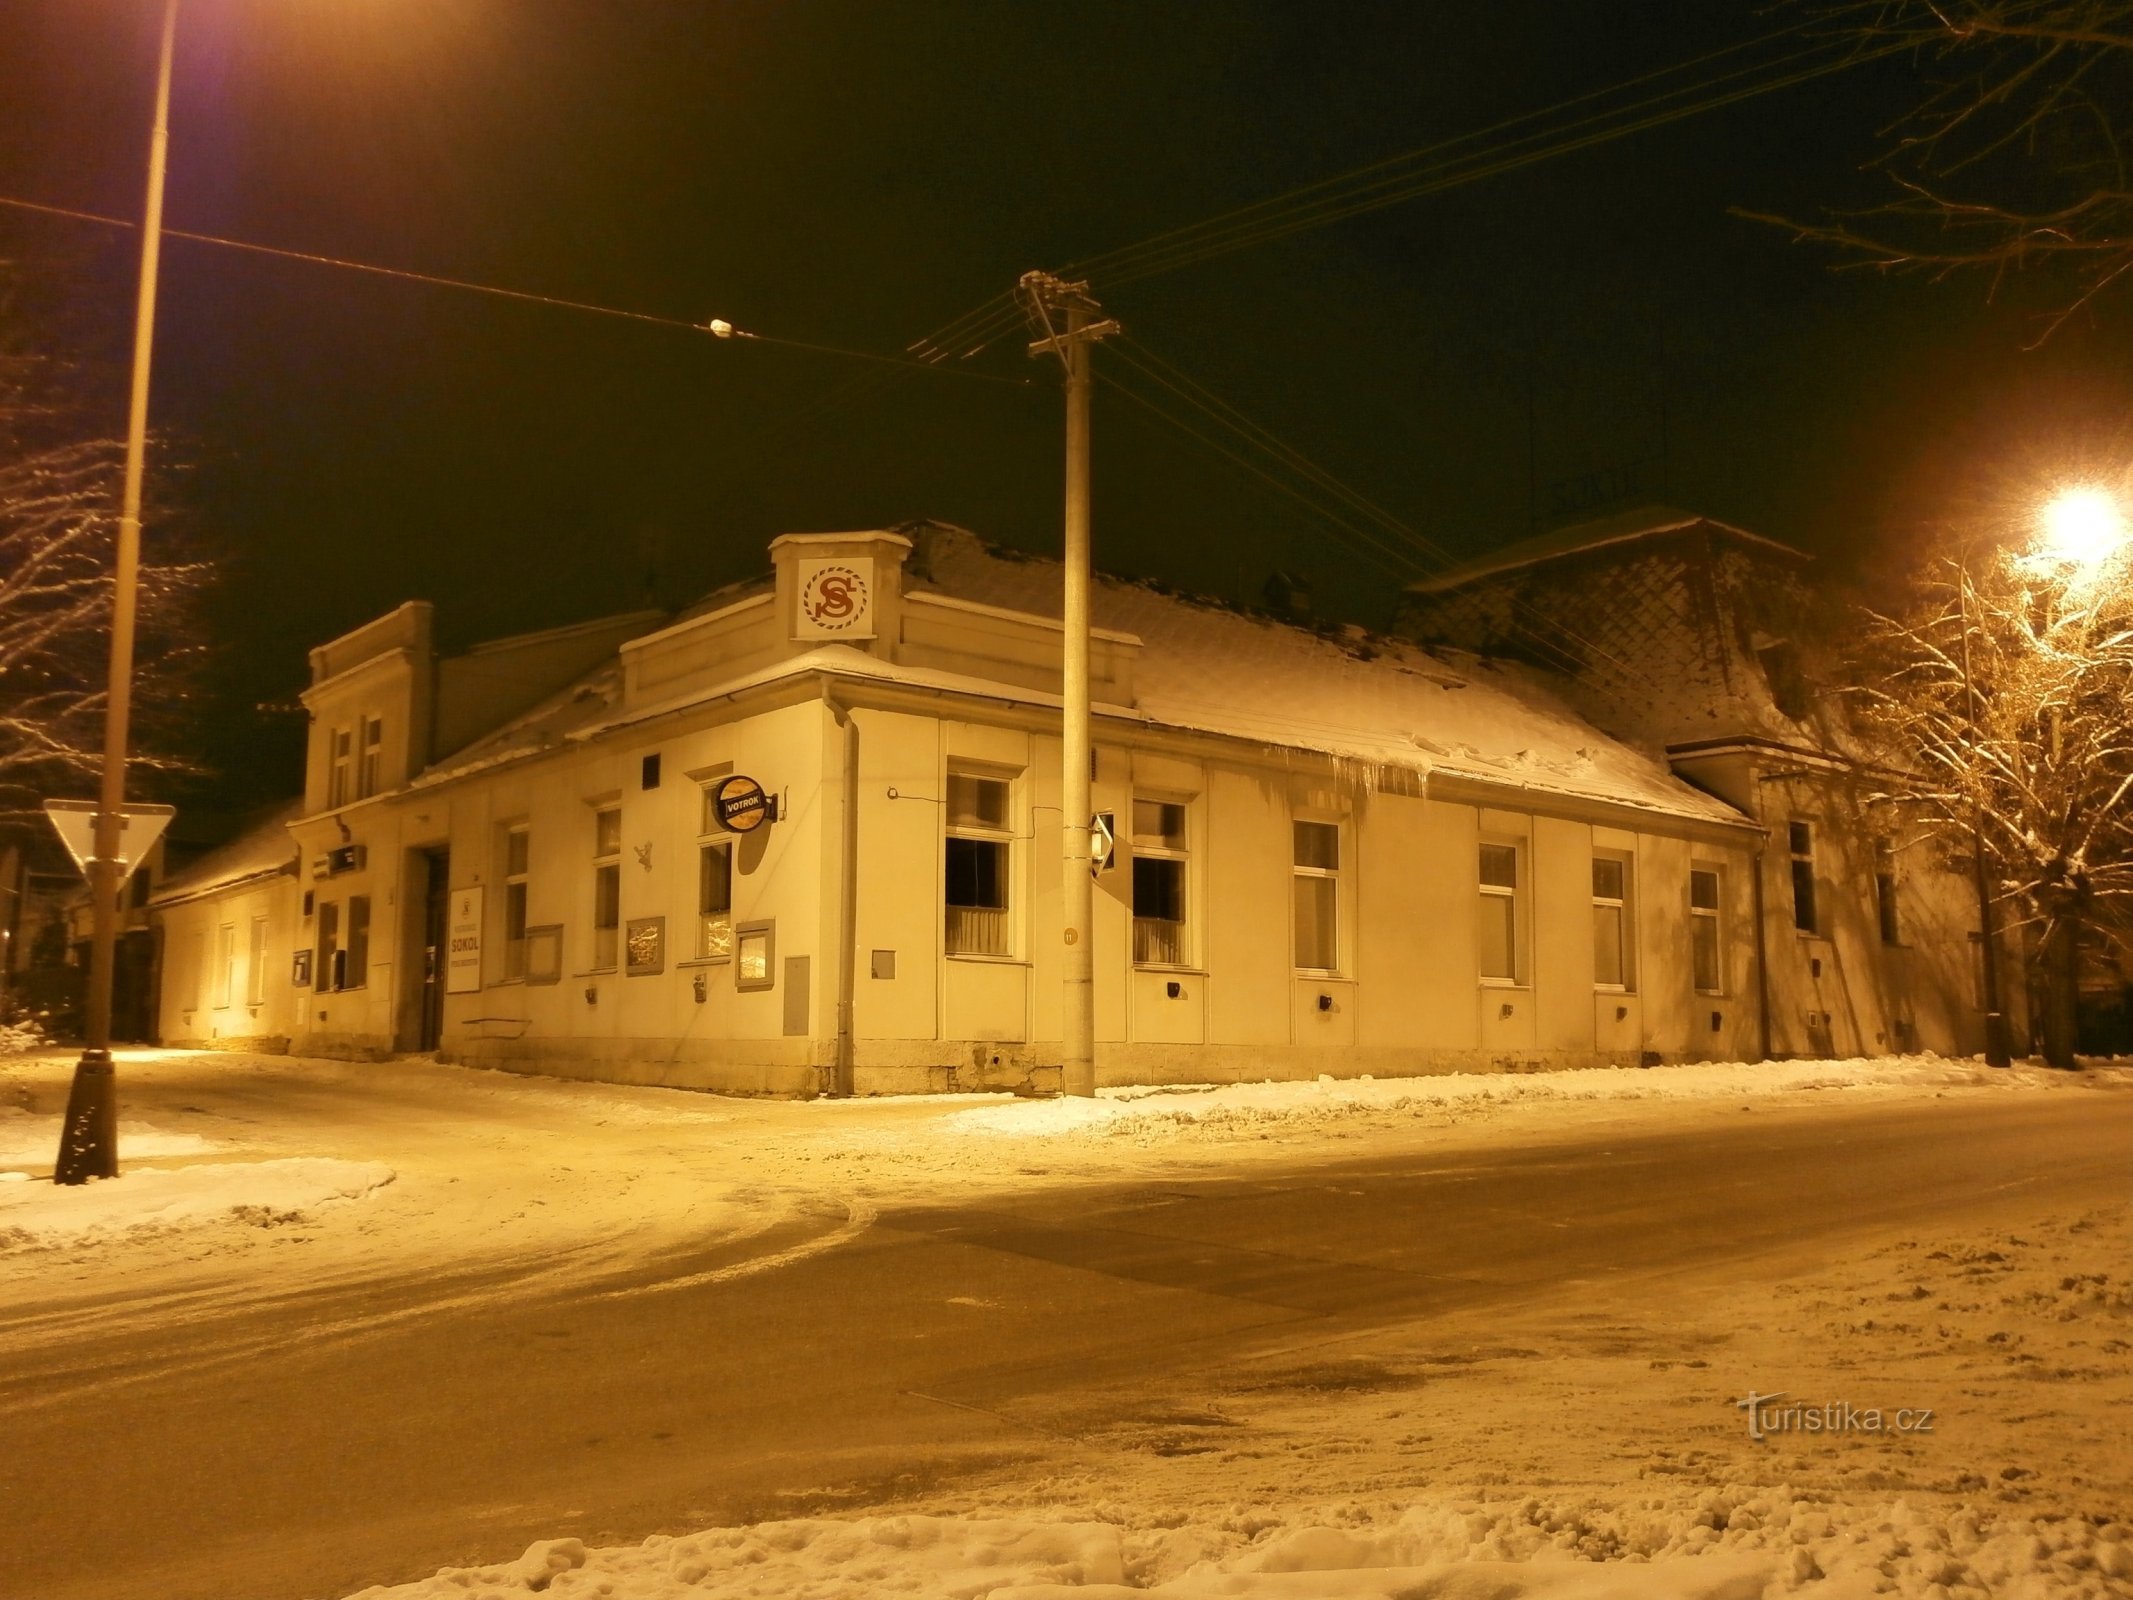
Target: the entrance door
pixel 436 901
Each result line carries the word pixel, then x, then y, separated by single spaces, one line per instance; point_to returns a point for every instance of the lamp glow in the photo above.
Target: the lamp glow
pixel 2081 528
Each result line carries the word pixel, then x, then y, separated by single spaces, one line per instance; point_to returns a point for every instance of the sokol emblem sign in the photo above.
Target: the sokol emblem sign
pixel 836 599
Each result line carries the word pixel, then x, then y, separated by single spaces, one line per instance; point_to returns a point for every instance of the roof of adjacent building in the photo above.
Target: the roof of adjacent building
pixel 1206 667
pixel 1644 522
pixel 263 850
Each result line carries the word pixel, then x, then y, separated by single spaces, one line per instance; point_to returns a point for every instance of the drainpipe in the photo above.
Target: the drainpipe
pixel 1762 951
pixel 847 951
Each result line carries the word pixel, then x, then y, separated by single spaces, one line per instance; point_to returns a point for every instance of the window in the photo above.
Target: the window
pixel 338 774
pixel 714 901
pixel 1159 883
pixel 1612 944
pixel 1317 879
pixel 977 865
pixel 373 758
pixel 1499 913
pixel 1801 836
pixel 516 854
pixel 255 982
pixel 324 975
pixel 607 889
pixel 1704 944
pixel 1886 910
pixel 225 962
pixel 355 964
pixel 755 947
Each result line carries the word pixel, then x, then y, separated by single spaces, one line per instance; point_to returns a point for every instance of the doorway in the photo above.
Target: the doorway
pixel 436 901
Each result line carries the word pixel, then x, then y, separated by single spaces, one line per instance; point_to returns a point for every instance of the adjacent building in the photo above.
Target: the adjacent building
pixel 804 838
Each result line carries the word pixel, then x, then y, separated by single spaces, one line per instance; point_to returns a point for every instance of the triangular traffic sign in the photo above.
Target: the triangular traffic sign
pixel 139 829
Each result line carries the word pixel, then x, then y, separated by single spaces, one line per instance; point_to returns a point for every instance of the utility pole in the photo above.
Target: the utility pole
pixel 1068 320
pixel 88 1144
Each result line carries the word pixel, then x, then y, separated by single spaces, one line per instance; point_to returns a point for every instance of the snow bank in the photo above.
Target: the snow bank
pixel 32 1143
pixel 1724 1545
pixel 1137 1110
pixel 261 1194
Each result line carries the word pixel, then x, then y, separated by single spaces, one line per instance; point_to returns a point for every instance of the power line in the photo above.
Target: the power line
pixel 1548 634
pixel 717 327
pixel 1426 170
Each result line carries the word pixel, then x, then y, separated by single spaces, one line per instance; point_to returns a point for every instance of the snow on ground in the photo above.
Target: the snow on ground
pixel 1728 1544
pixel 258 1194
pixel 1561 1461
pixel 1560 1453
pixel 1171 1110
pixel 29 1145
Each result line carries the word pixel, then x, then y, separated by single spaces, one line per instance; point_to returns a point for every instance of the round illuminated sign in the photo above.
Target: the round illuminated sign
pixel 741 805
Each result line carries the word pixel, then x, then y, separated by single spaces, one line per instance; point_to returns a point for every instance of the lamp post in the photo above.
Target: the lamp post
pixel 88 1143
pixel 1999 1049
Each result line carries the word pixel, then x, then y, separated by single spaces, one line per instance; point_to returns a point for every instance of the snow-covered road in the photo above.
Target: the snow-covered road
pixel 1377 1328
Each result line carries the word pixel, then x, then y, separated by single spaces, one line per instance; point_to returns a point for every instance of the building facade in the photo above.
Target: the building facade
pixel 804 838
pixel 1693 641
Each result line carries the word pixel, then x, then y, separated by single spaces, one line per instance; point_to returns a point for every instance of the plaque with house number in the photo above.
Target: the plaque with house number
pixel 644 942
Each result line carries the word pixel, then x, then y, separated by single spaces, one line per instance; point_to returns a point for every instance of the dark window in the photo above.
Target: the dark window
pixel 1801 836
pixel 977 874
pixel 356 966
pixel 1885 906
pixel 327 975
pixel 648 772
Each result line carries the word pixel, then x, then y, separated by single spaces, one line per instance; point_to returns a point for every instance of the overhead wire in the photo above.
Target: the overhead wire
pixel 1403 550
pixel 1426 170
pixel 716 328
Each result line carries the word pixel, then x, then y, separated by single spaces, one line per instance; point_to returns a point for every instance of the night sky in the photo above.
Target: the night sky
pixel 856 174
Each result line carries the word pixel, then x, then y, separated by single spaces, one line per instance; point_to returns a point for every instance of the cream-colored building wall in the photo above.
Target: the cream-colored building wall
pixel 207 985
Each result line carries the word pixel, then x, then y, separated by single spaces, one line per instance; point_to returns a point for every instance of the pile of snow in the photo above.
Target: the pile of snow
pixel 32 1143
pixel 1737 1544
pixel 1130 1111
pixel 17 1037
pixel 262 1194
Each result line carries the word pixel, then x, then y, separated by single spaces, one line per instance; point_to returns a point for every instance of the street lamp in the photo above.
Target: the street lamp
pixel 2079 528
pixel 88 1143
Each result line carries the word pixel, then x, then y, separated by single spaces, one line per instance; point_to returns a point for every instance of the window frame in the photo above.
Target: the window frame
pixel 255 978
pixel 1708 920
pixel 1624 907
pixel 517 853
pixel 1001 838
pixel 340 766
pixel 1513 895
pixel 1299 872
pixel 1808 906
pixel 606 890
pixel 1179 856
pixel 370 757
pixel 225 970
pixel 328 918
pixel 1888 904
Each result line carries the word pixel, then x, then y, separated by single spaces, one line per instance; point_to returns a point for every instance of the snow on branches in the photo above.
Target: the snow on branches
pixel 59 496
pixel 2016 155
pixel 1999 701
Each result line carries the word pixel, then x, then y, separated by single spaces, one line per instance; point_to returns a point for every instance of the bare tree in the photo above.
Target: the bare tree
pixel 58 520
pixel 2016 158
pixel 1999 702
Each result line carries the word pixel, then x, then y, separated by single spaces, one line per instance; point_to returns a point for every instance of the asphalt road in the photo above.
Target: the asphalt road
pixel 308 1450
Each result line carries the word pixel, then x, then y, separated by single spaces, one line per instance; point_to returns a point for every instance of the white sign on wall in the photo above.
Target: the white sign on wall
pixel 836 599
pixel 462 943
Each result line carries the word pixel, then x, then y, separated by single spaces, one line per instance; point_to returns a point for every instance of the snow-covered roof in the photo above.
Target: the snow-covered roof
pixel 1205 668
pixel 261 851
pixel 1644 522
pixel 1208 668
